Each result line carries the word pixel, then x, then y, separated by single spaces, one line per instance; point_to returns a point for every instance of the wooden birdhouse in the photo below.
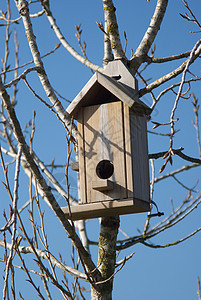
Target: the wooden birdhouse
pixel 112 143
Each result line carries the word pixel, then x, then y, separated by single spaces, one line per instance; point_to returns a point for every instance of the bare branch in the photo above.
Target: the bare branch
pixel 51 107
pixel 31 62
pixel 193 17
pixel 147 223
pixel 80 225
pixel 8 224
pixel 177 216
pixel 184 168
pixel 45 171
pixel 145 83
pixel 174 243
pixel 197 46
pixel 192 189
pixel 199 289
pixel 126 42
pixel 140 55
pixel 196 107
pixel 66 45
pixel 170 88
pixel 122 263
pixel 177 152
pixel 82 47
pixel 169 58
pixel 170 75
pixel 9 21
pixel 44 187
pixel 170 221
pixel 54 260
pixel 15 199
pixel 112 29
pixel 118 263
pixel 108 56
pixel 23 9
pixel 22 76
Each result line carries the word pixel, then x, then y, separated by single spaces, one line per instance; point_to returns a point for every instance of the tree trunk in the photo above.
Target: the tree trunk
pixel 106 257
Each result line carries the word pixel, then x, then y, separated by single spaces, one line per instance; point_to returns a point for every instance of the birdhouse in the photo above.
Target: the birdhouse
pixel 112 142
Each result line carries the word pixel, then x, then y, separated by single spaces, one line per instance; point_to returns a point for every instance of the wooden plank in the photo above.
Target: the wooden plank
pixel 126 94
pixel 143 149
pixel 104 141
pixel 73 108
pixel 136 162
pixel 118 90
pixel 106 208
pixel 145 161
pixel 74 166
pixel 96 85
pixel 102 185
pixel 81 155
pixel 140 158
pixel 128 151
pixel 116 68
pixel 124 148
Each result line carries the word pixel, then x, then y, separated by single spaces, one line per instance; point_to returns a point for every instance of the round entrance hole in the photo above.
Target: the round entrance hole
pixel 104 169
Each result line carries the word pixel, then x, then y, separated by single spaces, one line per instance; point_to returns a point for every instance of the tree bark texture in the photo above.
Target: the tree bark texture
pixel 84 255
pixel 23 9
pixel 107 257
pixel 150 34
pixel 112 29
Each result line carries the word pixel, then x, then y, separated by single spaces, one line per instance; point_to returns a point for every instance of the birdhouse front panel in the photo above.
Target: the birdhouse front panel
pixel 102 153
pixel 113 157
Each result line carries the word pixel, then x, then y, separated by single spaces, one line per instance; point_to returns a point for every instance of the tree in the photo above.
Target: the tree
pixel 28 227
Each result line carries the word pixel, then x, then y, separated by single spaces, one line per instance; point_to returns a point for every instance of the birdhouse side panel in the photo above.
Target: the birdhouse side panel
pixel 140 160
pixel 103 141
pixel 128 151
pixel 81 151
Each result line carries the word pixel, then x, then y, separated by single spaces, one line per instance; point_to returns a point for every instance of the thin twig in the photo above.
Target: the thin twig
pixel 174 243
pixel 108 279
pixel 30 62
pixel 170 75
pixel 22 76
pixel 64 42
pixel 196 124
pixel 199 289
pixel 147 224
pixel 169 58
pixel 192 55
pixel 15 199
pixel 193 19
pixel 51 107
pixel 175 152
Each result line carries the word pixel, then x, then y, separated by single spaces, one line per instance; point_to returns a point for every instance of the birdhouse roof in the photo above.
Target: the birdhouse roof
pixel 102 88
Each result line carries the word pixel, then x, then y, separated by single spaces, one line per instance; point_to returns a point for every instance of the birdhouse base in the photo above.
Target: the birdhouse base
pixel 106 208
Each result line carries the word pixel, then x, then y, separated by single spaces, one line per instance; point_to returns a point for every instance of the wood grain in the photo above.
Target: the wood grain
pixel 106 208
pixel 103 131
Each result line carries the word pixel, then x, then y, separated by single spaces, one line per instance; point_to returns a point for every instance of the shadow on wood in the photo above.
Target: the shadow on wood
pixel 112 141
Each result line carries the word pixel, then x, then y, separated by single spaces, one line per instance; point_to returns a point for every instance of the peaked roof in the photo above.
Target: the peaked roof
pixel 102 88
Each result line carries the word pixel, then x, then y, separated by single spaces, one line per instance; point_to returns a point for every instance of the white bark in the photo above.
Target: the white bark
pixel 150 34
pixel 43 255
pixel 170 75
pixel 112 29
pixel 108 56
pixel 22 7
pixel 70 49
pixel 86 260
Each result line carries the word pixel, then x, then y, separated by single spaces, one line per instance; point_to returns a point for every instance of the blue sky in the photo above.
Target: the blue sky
pixel 152 273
